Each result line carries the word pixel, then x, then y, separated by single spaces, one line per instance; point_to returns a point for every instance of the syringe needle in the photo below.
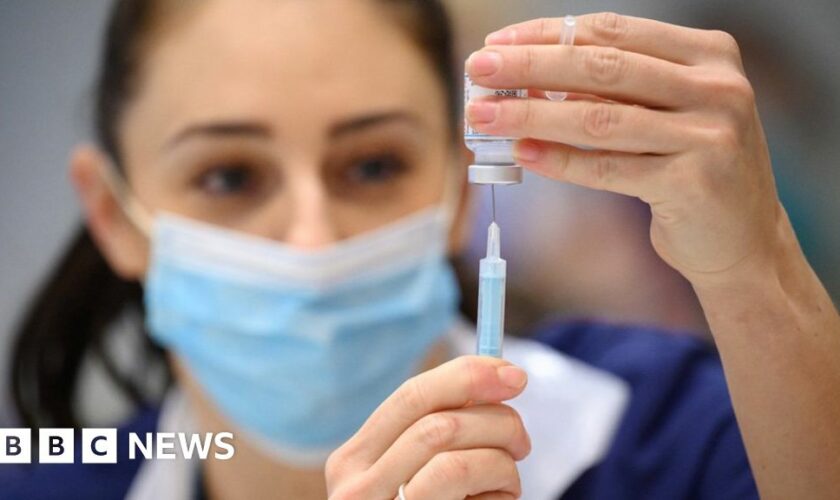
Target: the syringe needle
pixel 493 196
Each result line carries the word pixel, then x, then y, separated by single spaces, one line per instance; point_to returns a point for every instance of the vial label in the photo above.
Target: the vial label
pixel 472 91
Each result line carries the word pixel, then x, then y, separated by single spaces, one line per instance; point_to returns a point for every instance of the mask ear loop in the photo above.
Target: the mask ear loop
pixel 137 213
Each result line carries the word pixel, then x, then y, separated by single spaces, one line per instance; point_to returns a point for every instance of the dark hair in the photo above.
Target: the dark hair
pixel 69 320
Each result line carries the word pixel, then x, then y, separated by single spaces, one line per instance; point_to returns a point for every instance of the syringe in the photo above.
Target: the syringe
pixel 494 165
pixel 491 296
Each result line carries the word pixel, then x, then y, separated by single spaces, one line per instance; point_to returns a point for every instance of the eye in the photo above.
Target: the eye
pixel 376 170
pixel 227 180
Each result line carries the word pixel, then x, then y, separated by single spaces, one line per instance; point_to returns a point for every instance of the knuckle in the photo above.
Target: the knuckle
pixel 505 467
pixel 412 396
pixel 472 371
pixel 335 467
pixel 603 165
pixel 516 116
pixel 742 90
pixel 725 44
pixel 710 83
pixel 529 62
pixel 609 26
pixel 605 65
pixel 451 467
pixel 516 425
pixel 471 366
pixel 544 27
pixel 558 163
pixel 741 97
pixel 745 88
pixel 513 418
pixel 562 163
pixel 599 120
pixel 734 85
pixel 528 114
pixel 439 431
pixel 731 88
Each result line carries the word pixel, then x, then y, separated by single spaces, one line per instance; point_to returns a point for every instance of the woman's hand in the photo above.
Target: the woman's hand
pixel 428 436
pixel 672 118
pixel 673 121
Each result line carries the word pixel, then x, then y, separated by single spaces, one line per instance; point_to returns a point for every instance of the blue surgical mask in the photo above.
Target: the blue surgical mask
pixel 298 348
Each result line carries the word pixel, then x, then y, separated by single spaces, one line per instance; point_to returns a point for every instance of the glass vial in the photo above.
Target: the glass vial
pixel 494 162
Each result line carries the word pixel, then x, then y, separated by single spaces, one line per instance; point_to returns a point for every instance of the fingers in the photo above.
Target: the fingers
pixel 496 495
pixel 613 127
pixel 459 474
pixel 450 386
pixel 604 71
pixel 482 426
pixel 673 43
pixel 425 432
pixel 623 173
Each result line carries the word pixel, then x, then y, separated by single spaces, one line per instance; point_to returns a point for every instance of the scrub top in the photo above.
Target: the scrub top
pixel 614 412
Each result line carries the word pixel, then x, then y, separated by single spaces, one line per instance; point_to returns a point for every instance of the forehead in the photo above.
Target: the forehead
pixel 292 63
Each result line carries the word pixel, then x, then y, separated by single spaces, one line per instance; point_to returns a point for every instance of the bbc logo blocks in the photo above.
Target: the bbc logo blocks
pixel 99 446
pixel 15 446
pixel 57 446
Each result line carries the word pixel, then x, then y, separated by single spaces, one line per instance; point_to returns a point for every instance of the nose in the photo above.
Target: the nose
pixel 311 224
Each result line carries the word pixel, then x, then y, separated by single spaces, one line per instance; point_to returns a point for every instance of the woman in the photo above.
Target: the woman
pixel 282 177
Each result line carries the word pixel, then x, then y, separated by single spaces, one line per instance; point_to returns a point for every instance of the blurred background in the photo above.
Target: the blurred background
pixel 572 252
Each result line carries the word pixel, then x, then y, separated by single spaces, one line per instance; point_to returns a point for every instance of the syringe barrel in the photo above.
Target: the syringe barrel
pixel 491 306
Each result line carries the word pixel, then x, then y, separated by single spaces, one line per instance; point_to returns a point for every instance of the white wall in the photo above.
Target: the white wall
pixel 47 55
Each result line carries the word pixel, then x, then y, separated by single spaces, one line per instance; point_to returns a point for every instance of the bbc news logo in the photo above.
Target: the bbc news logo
pixel 99 446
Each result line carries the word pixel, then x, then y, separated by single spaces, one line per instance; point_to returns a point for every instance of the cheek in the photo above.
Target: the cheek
pixel 438 175
pixel 159 191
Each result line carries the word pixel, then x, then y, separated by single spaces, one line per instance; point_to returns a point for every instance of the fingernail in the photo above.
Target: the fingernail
pixel 484 63
pixel 501 37
pixel 513 376
pixel 482 112
pixel 528 152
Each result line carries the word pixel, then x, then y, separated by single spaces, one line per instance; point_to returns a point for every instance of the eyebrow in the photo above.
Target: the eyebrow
pixel 261 131
pixel 221 129
pixel 370 121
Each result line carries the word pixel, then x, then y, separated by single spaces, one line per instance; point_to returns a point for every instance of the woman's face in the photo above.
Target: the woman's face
pixel 299 120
